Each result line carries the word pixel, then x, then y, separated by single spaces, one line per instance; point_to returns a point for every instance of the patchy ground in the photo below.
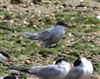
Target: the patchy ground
pixel 83 37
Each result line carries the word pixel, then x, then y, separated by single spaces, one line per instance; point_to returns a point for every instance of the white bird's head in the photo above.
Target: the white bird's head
pixel 85 64
pixel 82 61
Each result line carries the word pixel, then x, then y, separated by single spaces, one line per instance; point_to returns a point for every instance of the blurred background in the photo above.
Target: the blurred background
pixel 34 15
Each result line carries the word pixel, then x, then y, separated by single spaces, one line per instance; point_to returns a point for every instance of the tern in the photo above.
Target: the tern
pixel 54 71
pixel 48 36
pixel 82 69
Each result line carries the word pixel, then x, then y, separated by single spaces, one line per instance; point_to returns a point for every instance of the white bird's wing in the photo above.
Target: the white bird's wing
pixel 44 35
pixel 31 36
pixel 74 73
pixel 41 71
pixel 46 71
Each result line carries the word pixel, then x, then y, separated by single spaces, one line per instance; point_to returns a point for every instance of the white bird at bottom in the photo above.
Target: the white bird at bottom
pixel 82 69
pixel 55 71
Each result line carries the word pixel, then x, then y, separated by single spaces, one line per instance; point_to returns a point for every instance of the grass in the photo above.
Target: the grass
pixel 22 49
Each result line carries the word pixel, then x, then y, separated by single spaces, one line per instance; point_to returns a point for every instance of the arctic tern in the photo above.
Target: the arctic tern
pixel 48 36
pixel 82 69
pixel 54 71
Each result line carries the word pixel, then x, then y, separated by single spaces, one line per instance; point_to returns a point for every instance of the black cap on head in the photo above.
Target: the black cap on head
pixel 4 54
pixel 61 23
pixel 60 60
pixel 77 62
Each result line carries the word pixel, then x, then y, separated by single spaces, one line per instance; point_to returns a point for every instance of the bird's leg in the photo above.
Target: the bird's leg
pixel 41 43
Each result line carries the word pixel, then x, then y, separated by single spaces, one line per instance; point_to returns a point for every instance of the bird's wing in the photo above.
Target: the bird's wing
pixel 40 71
pixel 18 68
pixel 42 35
pixel 31 36
pixel 45 35
pixel 46 71
pixel 74 73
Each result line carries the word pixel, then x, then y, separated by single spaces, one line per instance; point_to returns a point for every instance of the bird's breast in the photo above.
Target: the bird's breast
pixel 87 74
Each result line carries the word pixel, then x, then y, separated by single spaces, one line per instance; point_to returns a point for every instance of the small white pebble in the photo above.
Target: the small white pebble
pixel 85 7
pixel 35 26
pixel 11 21
pixel 81 0
pixel 69 34
pixel 98 17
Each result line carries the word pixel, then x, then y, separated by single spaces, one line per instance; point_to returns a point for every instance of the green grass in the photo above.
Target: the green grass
pixel 17 47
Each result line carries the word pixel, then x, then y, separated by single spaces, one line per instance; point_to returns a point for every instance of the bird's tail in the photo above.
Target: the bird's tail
pixel 31 36
pixel 21 69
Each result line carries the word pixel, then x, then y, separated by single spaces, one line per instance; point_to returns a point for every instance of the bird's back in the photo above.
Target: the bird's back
pixel 55 34
pixel 49 72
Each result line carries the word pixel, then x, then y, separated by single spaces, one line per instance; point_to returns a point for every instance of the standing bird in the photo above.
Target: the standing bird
pixel 55 71
pixel 48 36
pixel 82 69
pixel 4 57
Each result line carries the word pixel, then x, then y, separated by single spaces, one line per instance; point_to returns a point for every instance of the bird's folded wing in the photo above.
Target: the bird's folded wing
pixel 44 35
pixel 24 34
pixel 40 71
pixel 45 71
pixel 22 69
pixel 28 35
pixel 74 73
